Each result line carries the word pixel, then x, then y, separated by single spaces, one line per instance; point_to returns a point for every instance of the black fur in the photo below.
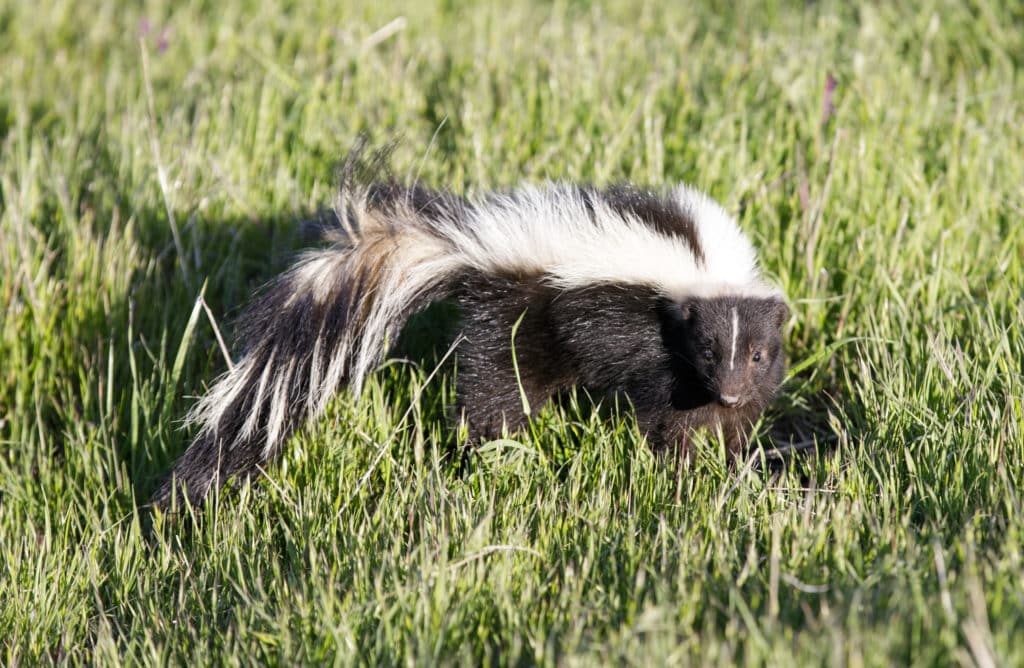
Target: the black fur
pixel 618 340
pixel 614 340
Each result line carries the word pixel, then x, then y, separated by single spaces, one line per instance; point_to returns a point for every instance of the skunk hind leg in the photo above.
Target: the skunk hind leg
pixel 490 394
pixel 496 369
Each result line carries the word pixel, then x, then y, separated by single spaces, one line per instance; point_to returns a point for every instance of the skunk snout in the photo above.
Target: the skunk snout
pixel 729 400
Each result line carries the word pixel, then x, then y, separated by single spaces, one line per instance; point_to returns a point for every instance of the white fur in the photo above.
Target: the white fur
pixel 548 231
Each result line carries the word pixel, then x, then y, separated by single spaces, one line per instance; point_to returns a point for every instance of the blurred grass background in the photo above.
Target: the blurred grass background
pixel 154 152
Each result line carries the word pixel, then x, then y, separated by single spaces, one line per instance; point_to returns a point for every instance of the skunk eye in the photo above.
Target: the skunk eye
pixel 707 354
pixel 757 356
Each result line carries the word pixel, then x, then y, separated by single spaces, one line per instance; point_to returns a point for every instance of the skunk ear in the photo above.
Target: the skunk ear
pixel 779 312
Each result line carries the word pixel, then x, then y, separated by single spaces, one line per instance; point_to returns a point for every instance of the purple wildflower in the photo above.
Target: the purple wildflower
pixel 828 107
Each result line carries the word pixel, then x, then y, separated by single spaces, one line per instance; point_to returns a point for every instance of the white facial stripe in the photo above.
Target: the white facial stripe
pixel 735 332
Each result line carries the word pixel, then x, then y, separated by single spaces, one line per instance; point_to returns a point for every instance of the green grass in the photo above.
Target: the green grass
pixel 895 226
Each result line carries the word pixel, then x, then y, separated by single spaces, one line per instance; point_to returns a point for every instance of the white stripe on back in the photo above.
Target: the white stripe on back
pixel 552 231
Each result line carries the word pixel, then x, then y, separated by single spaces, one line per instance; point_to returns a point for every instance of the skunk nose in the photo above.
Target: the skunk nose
pixel 728 399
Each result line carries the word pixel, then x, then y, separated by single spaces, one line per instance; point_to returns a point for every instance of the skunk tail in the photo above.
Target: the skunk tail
pixel 319 327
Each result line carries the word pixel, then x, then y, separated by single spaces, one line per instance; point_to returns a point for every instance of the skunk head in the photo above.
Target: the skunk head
pixel 733 346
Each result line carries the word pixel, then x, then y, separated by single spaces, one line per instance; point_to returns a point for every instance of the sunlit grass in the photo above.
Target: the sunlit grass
pixel 150 156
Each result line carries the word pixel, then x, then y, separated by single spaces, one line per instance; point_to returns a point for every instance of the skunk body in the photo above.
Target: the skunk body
pixel 619 291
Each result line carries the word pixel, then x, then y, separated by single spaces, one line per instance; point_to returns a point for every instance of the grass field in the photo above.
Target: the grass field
pixel 154 153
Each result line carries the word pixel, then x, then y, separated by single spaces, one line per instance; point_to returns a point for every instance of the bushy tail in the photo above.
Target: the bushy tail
pixel 319 327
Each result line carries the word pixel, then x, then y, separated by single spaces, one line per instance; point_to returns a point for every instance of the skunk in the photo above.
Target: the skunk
pixel 655 298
